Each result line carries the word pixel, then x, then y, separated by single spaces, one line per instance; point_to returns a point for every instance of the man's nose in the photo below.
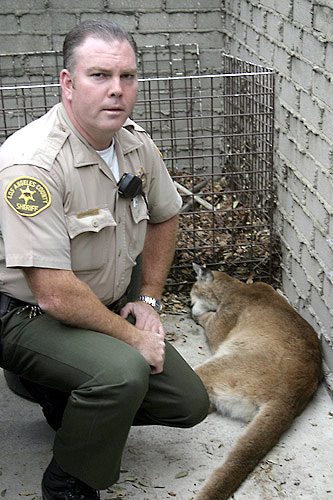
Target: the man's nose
pixel 115 88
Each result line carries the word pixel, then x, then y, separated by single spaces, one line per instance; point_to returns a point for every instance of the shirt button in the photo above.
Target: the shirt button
pixel 95 223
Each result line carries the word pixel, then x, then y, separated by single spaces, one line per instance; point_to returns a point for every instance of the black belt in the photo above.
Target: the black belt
pixel 8 303
pixel 118 304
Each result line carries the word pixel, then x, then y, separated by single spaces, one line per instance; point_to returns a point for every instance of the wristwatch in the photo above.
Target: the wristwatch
pixel 155 303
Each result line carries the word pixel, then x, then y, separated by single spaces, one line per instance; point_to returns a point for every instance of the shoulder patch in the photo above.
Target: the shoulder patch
pixel 27 196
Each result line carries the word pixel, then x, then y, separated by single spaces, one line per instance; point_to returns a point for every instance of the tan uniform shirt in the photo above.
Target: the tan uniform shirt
pixel 60 206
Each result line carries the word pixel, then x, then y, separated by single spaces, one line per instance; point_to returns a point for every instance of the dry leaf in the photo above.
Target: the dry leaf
pixel 181 474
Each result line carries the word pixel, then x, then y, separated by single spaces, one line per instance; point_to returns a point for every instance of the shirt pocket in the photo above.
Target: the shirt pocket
pixel 90 235
pixel 140 216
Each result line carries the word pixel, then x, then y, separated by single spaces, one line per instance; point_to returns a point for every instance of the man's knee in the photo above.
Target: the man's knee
pixel 197 408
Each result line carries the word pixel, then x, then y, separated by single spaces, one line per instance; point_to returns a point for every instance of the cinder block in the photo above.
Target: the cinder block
pixel 300 277
pixel 316 210
pixel 320 149
pixel 275 26
pixel 266 50
pixel 310 110
pixel 328 291
pixel 292 36
pixel 284 7
pixel 299 132
pixel 312 267
pixel 302 12
pixel 209 21
pixel 252 39
pixel 196 5
pixel 282 61
pixel 207 41
pixel 126 21
pixel 259 19
pixel 24 43
pixel 313 49
pixel 325 186
pixel 151 39
pixel 270 4
pixel 322 89
pixel 303 222
pixel 325 253
pixel 308 169
pixel 246 12
pixel 289 93
pixel 323 20
pixel 301 73
pixel 62 23
pixel 39 24
pixel 8 25
pixel 81 6
pixel 287 147
pixel 163 22
pixel 329 58
pixel 327 123
pixel 323 312
pixel 290 235
pixel 290 289
pixel 232 7
pixel 21 6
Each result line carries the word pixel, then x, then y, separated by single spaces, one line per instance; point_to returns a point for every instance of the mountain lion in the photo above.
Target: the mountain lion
pixel 266 365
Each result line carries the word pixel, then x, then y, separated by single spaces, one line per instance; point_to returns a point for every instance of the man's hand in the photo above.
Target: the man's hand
pixel 152 347
pixel 146 318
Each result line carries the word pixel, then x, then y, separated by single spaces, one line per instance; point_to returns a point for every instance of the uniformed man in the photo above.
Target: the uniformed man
pixel 70 238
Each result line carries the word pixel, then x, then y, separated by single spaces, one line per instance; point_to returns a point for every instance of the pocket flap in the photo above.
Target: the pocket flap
pixel 91 220
pixel 139 209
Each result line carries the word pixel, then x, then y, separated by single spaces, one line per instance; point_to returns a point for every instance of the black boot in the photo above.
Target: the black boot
pixel 58 485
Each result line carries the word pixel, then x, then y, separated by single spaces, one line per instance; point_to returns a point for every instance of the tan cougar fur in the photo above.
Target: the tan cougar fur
pixel 264 369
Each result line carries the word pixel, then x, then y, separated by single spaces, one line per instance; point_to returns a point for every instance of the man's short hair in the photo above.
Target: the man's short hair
pixel 103 29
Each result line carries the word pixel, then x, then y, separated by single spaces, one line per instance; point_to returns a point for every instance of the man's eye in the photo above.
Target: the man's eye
pixel 98 75
pixel 129 76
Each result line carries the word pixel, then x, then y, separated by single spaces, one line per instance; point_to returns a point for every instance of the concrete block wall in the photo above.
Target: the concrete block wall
pixel 295 37
pixel 37 25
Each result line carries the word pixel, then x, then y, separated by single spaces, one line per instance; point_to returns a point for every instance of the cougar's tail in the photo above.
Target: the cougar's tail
pixel 260 436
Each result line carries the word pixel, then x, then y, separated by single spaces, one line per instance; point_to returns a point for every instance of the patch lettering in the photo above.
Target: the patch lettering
pixel 27 196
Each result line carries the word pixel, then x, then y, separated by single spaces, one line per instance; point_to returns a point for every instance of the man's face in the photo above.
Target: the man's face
pixel 101 93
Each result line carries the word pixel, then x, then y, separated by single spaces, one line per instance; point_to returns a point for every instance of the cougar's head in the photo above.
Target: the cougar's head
pixel 203 298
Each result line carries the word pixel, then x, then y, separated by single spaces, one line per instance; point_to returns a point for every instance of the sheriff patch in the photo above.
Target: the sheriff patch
pixel 27 196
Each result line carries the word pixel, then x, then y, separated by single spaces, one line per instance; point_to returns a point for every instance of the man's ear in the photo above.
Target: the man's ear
pixel 67 84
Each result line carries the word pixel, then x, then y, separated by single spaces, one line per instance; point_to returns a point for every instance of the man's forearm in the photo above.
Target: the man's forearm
pixel 157 256
pixel 62 295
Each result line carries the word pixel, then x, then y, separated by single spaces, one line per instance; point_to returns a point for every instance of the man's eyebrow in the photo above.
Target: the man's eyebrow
pixel 100 69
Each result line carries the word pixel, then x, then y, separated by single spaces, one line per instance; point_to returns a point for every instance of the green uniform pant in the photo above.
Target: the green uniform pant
pixel 110 389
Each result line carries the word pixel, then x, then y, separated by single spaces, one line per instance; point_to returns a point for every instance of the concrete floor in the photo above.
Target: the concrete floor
pixel 160 463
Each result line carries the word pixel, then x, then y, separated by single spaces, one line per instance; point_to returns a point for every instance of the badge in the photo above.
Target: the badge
pixel 143 176
pixel 27 196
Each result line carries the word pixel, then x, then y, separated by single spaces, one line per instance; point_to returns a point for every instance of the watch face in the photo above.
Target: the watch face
pixel 158 305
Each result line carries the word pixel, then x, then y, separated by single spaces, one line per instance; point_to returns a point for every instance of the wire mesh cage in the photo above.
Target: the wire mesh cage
pixel 215 133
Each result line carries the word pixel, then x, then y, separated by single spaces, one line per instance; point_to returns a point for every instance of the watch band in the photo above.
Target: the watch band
pixel 155 303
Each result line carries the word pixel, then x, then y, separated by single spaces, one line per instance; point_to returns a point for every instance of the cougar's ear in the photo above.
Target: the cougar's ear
pixel 202 273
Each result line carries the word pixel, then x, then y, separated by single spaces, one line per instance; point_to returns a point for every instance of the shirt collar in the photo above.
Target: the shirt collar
pixel 84 157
